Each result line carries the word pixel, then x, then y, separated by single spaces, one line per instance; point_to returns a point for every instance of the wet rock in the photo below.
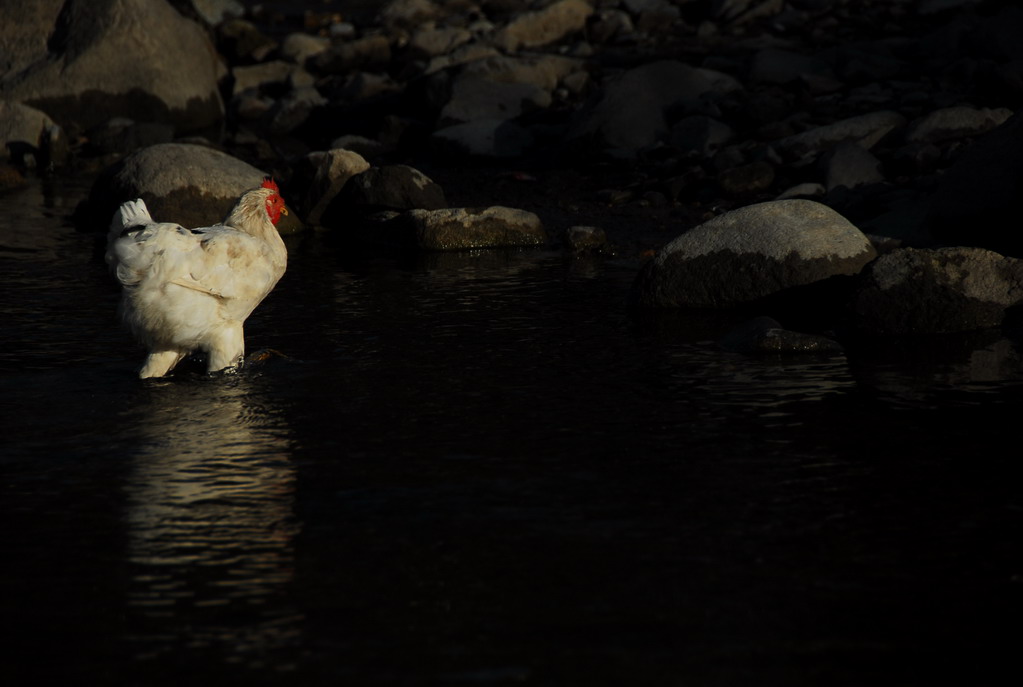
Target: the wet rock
pixel 80 76
pixel 921 291
pixel 485 138
pixel 956 122
pixel 22 130
pixel 766 335
pixel 468 228
pixel 745 180
pixel 189 184
pixel 851 165
pixel 976 201
pixel 631 113
pixel 544 26
pixel 319 177
pixel 865 130
pixel 751 253
pixel 391 187
pixel 581 238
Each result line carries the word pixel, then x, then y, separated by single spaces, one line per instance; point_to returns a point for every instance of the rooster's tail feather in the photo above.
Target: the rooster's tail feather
pixel 132 214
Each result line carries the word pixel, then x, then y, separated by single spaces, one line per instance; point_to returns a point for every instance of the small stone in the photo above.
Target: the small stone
pixel 753 178
pixel 850 165
pixel 581 238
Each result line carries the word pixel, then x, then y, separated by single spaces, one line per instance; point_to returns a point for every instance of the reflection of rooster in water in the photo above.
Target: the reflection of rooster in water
pixel 192 289
pixel 210 522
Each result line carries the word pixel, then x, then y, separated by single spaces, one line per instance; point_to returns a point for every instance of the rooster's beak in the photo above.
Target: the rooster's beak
pixel 284 211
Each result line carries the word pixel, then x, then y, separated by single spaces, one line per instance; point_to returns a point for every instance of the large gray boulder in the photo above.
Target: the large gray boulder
pixel 192 185
pixel 927 291
pixel 632 112
pixel 753 252
pixel 86 61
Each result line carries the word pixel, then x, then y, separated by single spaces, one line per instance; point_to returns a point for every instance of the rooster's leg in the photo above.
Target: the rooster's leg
pixel 227 347
pixel 160 363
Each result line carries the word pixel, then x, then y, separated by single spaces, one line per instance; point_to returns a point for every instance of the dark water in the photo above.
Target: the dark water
pixel 479 469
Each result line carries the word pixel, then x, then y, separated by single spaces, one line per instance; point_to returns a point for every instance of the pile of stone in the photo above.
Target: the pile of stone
pixel 791 140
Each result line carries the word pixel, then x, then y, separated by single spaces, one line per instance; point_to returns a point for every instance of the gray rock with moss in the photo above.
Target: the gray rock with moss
pixel 192 185
pixel 930 291
pixel 753 252
pixel 468 228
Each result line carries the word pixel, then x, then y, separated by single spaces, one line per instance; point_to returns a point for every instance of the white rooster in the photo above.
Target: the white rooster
pixel 192 289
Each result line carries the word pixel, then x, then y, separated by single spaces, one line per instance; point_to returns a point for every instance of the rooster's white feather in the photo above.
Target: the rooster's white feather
pixel 192 289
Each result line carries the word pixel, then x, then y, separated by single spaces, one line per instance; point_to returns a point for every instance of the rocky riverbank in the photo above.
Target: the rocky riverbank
pixel 733 149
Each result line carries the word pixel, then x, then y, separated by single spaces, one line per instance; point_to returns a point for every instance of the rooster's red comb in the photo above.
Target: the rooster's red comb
pixel 268 182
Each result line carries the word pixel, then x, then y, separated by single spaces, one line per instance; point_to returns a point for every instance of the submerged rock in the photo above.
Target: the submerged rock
pixel 928 291
pixel 766 335
pixel 751 253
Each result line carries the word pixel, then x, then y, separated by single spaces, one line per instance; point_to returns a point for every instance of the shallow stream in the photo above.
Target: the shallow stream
pixel 479 468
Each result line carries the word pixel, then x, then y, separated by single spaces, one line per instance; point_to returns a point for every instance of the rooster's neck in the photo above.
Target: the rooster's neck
pixel 250 216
